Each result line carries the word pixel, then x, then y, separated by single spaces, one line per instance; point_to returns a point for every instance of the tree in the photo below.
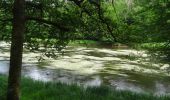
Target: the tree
pixel 20 15
pixel 16 50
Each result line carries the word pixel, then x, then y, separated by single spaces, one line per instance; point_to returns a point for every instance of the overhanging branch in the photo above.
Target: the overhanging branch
pixel 97 4
pixel 6 20
pixel 58 25
pixel 79 4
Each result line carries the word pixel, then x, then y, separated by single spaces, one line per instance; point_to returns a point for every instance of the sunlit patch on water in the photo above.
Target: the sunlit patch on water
pixel 120 69
pixel 37 74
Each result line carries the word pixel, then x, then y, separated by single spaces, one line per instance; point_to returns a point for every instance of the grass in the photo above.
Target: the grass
pixel 36 90
pixel 84 43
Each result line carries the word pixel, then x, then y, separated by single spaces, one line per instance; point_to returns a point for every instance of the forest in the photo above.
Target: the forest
pixel 84 49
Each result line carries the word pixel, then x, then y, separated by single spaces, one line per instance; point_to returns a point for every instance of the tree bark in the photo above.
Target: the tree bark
pixel 13 92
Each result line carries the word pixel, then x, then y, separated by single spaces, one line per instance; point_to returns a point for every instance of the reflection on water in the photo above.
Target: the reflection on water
pixel 4 67
pixel 95 81
pixel 123 85
pixel 119 69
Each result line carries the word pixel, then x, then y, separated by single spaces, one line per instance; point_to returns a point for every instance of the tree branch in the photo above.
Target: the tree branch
pixel 6 20
pixel 79 4
pixel 97 4
pixel 102 19
pixel 58 25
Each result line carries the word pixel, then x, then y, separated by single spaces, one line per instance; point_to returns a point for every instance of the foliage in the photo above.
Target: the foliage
pixel 60 21
pixel 129 21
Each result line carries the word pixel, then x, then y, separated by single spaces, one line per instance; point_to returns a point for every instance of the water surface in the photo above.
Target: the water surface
pixel 122 69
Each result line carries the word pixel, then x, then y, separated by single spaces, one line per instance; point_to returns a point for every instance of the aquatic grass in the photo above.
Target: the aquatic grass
pixel 84 43
pixel 37 90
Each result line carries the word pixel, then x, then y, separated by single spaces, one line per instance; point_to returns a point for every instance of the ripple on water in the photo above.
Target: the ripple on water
pixel 94 67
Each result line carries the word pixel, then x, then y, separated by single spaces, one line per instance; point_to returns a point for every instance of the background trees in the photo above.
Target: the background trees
pixel 129 20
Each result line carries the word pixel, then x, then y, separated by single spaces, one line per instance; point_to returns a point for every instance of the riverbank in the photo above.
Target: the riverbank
pixel 36 90
pixel 98 44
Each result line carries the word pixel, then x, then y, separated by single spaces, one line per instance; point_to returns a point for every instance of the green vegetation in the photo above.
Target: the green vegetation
pixel 150 46
pixel 84 43
pixel 36 90
pixel 158 50
pixel 118 21
pixel 52 24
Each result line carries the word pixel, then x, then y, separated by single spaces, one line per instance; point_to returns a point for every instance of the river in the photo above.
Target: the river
pixel 121 69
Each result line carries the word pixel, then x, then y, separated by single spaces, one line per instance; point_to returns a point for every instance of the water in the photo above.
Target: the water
pixel 122 69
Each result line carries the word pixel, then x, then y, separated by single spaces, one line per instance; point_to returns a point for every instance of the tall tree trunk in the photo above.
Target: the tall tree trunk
pixel 13 92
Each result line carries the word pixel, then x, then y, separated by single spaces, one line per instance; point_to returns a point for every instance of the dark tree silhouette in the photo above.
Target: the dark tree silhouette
pixel 13 92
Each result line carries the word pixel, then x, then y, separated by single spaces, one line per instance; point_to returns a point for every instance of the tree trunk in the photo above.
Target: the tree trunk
pixel 13 92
